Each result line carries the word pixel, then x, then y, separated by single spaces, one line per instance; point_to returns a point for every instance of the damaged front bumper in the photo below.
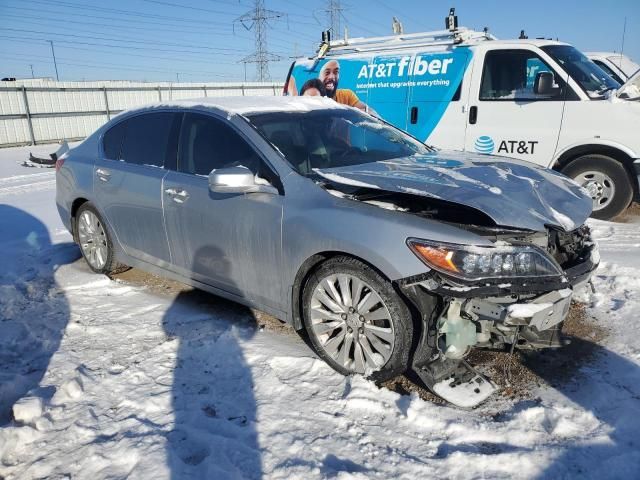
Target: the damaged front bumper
pixel 458 316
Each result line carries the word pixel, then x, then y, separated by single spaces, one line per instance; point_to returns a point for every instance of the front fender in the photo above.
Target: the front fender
pixel 591 145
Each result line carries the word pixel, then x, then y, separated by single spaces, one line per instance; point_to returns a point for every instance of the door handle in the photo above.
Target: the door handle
pixel 473 115
pixel 103 175
pixel 178 195
pixel 414 115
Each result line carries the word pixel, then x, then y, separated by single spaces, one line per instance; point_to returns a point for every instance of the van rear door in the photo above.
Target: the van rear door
pixel 510 112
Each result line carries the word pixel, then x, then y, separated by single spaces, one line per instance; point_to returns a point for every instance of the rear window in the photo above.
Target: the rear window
pixel 112 141
pixel 149 139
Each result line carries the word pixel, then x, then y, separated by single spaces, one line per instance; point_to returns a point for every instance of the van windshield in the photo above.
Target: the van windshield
pixel 333 138
pixel 593 80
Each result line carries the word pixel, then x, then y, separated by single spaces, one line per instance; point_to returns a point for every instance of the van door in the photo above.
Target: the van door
pixel 435 109
pixel 507 116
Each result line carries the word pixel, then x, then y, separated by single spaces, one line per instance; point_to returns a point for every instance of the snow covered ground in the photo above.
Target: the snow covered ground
pixel 118 379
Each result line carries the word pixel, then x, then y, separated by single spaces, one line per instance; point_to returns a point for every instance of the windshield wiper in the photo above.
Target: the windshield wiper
pixel 604 90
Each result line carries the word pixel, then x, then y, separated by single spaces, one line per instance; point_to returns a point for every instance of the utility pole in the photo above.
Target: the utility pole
pixel 257 19
pixel 55 64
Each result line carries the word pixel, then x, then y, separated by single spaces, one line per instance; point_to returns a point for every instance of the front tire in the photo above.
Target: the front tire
pixel 355 320
pixel 94 241
pixel 607 182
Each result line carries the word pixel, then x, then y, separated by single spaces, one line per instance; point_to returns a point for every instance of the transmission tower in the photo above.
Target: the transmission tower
pixel 334 12
pixel 257 19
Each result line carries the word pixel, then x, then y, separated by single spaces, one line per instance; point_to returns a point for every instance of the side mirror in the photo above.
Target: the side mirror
pixel 543 84
pixel 238 180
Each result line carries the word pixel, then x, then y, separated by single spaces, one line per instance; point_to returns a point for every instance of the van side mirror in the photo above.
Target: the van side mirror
pixel 237 180
pixel 543 84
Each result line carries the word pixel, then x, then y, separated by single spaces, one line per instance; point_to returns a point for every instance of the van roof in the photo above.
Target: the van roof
pixel 441 39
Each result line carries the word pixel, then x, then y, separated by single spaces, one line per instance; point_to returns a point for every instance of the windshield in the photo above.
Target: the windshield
pixel 593 80
pixel 333 138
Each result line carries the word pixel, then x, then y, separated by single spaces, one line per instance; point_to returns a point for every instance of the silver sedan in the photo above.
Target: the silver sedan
pixel 387 253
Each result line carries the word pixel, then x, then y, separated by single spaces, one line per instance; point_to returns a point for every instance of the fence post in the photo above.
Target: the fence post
pixel 26 107
pixel 274 90
pixel 242 88
pixel 106 103
pixel 159 94
pixel 204 87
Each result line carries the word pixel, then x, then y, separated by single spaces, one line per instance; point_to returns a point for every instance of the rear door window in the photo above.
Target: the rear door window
pixel 112 141
pixel 150 139
pixel 207 144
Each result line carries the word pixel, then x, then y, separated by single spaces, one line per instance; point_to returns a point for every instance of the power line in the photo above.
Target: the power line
pixel 111 40
pixel 125 47
pixel 199 9
pixel 71 62
pixel 120 19
pixel 123 39
pixel 134 13
pixel 118 55
pixel 281 42
pixel 396 12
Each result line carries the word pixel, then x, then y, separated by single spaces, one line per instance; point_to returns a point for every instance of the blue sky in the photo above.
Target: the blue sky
pixel 166 40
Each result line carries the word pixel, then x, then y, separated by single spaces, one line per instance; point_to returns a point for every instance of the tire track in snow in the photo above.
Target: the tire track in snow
pixel 27 187
pixel 19 178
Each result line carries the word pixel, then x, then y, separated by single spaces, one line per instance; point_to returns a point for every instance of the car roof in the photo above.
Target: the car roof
pixel 248 105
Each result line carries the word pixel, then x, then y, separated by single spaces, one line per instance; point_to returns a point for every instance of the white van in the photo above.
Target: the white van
pixel 536 100
pixel 619 67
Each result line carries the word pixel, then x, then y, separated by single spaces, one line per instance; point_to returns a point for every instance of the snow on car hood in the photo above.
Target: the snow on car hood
pixel 513 193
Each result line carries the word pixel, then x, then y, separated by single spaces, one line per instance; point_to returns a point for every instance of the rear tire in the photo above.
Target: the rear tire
pixel 606 180
pixel 95 242
pixel 355 320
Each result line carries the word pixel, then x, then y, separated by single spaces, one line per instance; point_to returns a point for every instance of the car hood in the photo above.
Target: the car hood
pixel 514 194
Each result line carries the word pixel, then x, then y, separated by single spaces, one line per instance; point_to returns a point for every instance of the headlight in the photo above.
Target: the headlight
pixel 478 263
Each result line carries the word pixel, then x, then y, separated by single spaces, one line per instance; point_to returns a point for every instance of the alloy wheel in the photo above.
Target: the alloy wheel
pixel 352 323
pixel 93 239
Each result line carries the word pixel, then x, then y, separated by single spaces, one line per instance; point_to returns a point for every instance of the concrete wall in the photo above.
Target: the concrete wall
pixel 43 111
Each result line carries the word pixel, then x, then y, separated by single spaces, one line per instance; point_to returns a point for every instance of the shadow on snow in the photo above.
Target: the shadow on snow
pixel 213 401
pixel 34 312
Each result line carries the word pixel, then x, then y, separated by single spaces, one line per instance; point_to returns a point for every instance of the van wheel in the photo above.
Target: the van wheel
pixel 607 182
pixel 95 243
pixel 355 320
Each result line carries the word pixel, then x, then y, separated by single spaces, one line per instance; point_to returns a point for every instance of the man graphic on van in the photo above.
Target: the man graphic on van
pixel 330 76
